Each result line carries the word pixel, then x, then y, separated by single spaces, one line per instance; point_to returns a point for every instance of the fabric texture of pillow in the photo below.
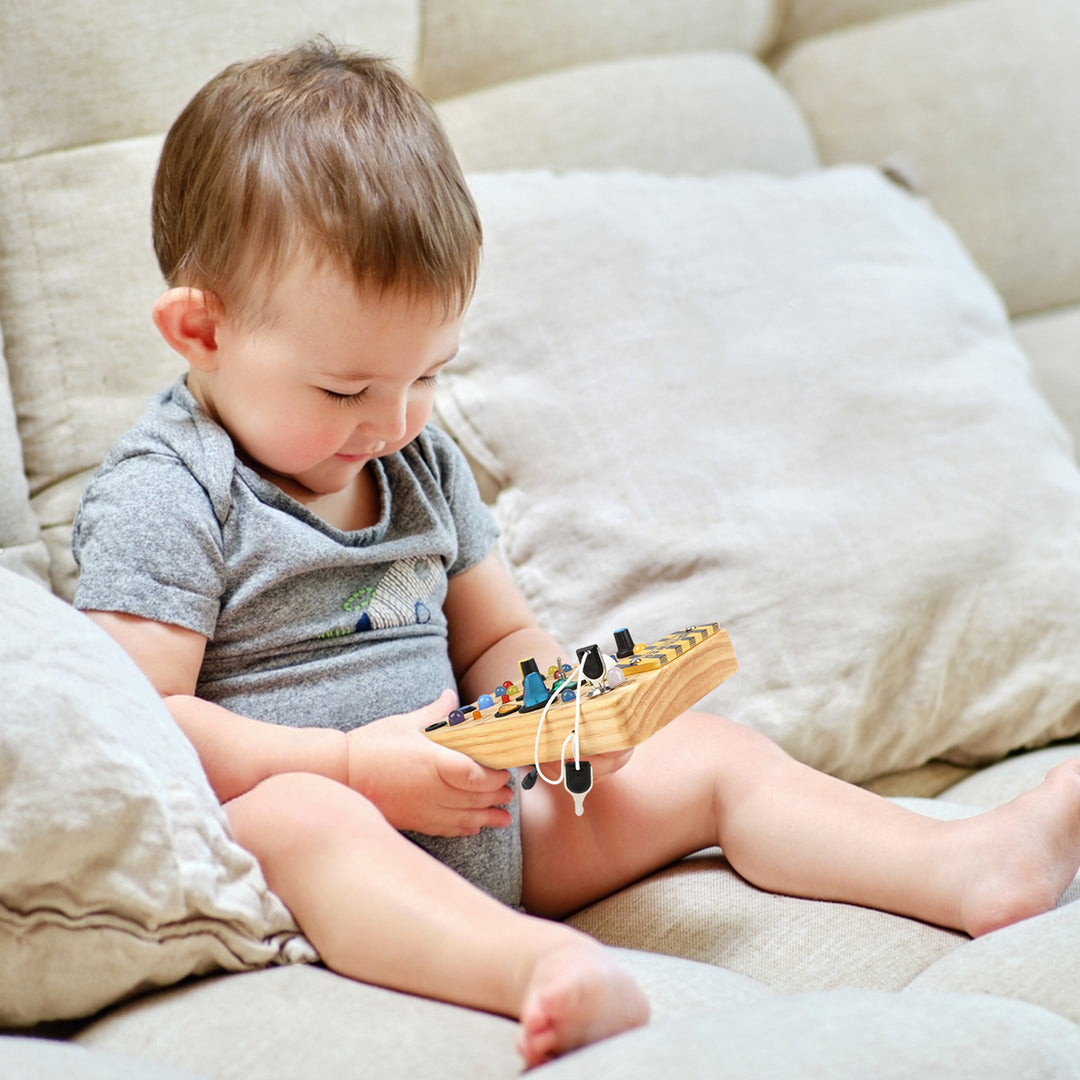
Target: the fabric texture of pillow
pixel 117 871
pixel 793 406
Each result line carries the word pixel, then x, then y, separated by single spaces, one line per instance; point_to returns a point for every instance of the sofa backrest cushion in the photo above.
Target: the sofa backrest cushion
pixel 977 104
pixel 86 93
pixel 470 44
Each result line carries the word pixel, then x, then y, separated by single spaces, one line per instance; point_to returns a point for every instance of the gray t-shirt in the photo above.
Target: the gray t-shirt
pixel 306 625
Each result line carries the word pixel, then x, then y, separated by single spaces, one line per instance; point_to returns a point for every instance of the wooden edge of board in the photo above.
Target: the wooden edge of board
pixel 618 720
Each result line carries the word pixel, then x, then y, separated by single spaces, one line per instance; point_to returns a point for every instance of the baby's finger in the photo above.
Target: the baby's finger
pixel 470 822
pixel 439 709
pixel 461 772
pixel 456 799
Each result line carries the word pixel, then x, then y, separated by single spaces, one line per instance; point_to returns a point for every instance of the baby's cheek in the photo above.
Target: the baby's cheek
pixel 297 445
pixel 417 414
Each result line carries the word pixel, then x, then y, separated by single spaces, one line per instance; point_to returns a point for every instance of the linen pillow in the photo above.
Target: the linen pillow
pixel 117 871
pixel 793 406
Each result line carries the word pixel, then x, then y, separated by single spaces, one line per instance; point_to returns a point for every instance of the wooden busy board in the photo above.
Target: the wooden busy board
pixel 662 681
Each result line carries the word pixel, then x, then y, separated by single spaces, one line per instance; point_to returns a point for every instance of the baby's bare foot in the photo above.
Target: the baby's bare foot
pixel 577 995
pixel 1022 856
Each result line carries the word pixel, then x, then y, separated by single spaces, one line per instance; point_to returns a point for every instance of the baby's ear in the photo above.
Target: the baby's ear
pixel 188 320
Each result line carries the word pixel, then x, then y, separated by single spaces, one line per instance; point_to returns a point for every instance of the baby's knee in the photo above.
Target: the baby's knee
pixel 294 812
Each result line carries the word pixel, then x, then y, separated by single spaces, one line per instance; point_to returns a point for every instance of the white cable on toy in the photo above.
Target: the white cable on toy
pixel 579 671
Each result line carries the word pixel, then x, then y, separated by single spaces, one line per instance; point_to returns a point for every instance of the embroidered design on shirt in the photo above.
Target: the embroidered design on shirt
pixel 404 596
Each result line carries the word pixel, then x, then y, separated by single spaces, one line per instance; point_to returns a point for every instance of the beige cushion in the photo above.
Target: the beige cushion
pixel 1036 961
pixel 805 18
pixel 843 1035
pixel 77 275
pixel 1005 780
pixel 469 44
pixel 74 74
pixel 1052 340
pixel 697 113
pixel 117 871
pixel 925 781
pixel 21 546
pixel 83 354
pixel 24 1058
pixel 795 407
pixel 977 103
pixel 285 1023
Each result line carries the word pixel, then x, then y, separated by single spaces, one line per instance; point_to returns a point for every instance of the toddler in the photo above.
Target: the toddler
pixel 305 572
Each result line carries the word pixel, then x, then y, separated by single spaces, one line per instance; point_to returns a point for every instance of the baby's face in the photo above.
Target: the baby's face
pixel 332 379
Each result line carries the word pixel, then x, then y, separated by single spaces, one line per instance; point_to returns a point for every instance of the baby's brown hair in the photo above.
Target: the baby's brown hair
pixel 318 151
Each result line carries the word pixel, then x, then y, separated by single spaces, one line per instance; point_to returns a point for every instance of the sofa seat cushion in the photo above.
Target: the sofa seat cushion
pixel 117 869
pixel 706 1023
pixel 843 1035
pixel 795 406
pixel 24 1058
pixel 232 1026
pixel 1037 960
pixel 1006 779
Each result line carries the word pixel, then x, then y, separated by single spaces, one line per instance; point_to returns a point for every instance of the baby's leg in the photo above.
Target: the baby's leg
pixel 381 910
pixel 790 829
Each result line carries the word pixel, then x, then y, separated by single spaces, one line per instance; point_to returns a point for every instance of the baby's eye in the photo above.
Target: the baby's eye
pixel 428 380
pixel 345 399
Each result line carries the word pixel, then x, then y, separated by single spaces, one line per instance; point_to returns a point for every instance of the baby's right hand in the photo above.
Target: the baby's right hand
pixel 418 784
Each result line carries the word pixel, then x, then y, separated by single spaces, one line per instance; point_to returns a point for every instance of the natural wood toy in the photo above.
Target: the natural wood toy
pixel 620 703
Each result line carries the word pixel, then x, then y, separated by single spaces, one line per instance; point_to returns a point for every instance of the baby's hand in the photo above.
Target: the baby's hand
pixel 418 784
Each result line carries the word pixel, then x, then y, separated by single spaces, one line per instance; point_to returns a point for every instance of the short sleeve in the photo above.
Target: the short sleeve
pixel 148 543
pixel 473 521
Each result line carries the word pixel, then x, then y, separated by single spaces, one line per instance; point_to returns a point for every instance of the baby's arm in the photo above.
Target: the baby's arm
pixel 236 751
pixel 415 783
pixel 492 630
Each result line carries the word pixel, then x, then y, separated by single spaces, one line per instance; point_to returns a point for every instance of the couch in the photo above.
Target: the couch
pixel 778 325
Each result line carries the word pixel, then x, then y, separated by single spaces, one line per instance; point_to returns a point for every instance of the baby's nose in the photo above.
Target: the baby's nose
pixel 389 422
